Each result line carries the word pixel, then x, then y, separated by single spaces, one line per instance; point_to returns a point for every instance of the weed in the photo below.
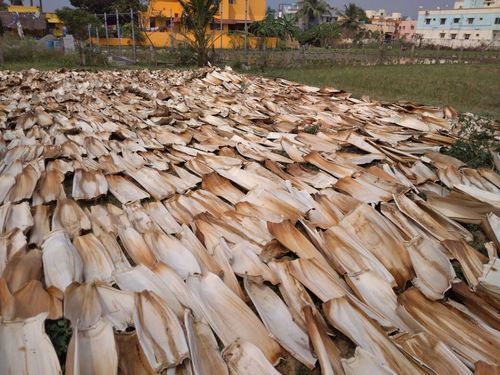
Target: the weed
pixel 59 332
pixel 312 129
pixel 476 140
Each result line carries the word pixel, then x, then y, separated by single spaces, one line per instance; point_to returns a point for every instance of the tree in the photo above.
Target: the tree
pixel 108 6
pixel 77 21
pixel 196 18
pixel 16 2
pixel 310 11
pixel 351 19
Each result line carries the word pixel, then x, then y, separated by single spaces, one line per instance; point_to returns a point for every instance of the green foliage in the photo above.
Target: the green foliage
pixel 323 35
pixel 108 6
pixel 310 11
pixel 351 19
pixel 59 332
pixel 274 27
pixel 196 18
pixel 126 32
pixel 77 21
pixel 312 129
pixel 476 140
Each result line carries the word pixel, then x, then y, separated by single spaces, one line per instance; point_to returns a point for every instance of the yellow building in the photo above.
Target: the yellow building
pixel 161 24
pixel 31 18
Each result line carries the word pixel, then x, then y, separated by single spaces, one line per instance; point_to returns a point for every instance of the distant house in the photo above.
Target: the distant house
pixel 380 21
pixel 407 30
pixel 28 20
pixel 286 10
pixel 471 23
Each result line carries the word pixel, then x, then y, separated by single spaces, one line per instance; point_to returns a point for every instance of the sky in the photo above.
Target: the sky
pixel 406 7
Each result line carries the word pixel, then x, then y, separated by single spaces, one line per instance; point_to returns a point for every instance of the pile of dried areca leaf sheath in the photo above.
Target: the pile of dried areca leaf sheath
pixel 207 222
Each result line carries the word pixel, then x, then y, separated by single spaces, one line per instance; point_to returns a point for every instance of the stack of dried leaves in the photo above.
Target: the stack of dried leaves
pixel 192 221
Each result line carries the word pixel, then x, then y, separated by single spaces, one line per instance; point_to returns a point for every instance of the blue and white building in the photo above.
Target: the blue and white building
pixel 471 23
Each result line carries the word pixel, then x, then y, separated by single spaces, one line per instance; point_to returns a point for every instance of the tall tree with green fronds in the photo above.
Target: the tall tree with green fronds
pixel 196 18
pixel 310 11
pixel 351 19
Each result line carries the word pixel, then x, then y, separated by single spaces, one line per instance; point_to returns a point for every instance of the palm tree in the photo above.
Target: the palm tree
pixel 310 11
pixel 196 18
pixel 351 19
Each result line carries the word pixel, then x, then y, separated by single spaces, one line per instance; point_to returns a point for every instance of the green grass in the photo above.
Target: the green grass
pixel 468 88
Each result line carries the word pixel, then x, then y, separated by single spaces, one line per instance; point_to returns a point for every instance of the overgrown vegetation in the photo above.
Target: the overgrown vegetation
pixel 476 141
pixel 468 88
pixel 59 332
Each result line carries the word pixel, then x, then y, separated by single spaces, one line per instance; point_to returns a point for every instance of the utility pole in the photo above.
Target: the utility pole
pixel 106 30
pixel 41 6
pixel 119 34
pixel 134 51
pixel 221 25
pixel 246 27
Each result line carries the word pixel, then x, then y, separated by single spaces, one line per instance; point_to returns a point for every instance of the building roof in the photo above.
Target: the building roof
pixel 29 21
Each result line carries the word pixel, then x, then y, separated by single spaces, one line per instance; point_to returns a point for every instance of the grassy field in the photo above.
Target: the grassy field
pixel 468 88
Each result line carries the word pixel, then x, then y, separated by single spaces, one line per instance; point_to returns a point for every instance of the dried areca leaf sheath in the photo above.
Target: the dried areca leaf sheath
pixel 377 293
pixel 328 354
pixel 131 357
pixel 62 264
pixel 24 186
pixel 278 321
pixel 230 317
pixel 115 252
pixel 37 355
pixel 203 347
pixel 142 278
pixel 338 169
pixel 97 264
pixel 462 334
pixel 244 358
pixel 88 184
pixel 365 363
pixel 469 258
pixel 246 263
pixel 7 181
pixel 23 267
pixel 92 351
pixel 69 216
pixel 490 277
pixel 348 256
pixel 11 244
pixel 136 247
pixel 160 215
pixel 479 194
pixel 152 181
pixel 18 216
pixel 355 324
pixel 432 353
pixel 49 188
pixel 159 332
pixel 290 237
pixel 433 269
pixel 33 299
pixel 170 251
pixel 378 235
pixel 124 190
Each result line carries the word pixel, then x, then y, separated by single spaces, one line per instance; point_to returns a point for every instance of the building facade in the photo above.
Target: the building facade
pixel 162 21
pixel 407 30
pixel 380 21
pixel 470 24
pixel 288 10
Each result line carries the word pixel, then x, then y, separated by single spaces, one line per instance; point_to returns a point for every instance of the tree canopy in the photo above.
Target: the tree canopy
pixel 351 19
pixel 310 11
pixel 108 6
pixel 196 17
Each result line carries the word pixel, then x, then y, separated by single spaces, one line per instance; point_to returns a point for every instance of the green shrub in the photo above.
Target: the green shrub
pixel 476 141
pixel 59 332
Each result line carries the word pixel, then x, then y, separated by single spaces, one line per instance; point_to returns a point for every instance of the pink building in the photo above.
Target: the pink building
pixel 407 29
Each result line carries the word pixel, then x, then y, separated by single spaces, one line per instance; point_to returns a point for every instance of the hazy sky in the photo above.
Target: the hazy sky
pixel 407 7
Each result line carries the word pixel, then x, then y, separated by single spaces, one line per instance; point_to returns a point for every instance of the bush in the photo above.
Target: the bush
pixel 476 141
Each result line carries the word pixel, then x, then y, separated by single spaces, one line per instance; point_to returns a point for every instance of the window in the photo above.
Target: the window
pixel 427 21
pixel 404 27
pixel 466 36
pixel 453 36
pixel 412 27
pixel 442 21
pixel 231 2
pixel 456 20
pixel 442 35
pixel 477 35
pixel 497 21
pixel 470 21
